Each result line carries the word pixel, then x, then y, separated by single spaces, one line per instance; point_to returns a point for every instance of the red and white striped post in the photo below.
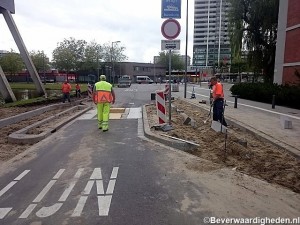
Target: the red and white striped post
pixel 90 91
pixel 161 106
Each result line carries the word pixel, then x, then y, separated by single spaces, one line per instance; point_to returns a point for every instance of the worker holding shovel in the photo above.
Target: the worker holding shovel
pixel 218 101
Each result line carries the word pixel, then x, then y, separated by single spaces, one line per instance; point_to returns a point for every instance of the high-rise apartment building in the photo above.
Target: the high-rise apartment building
pixel 211 40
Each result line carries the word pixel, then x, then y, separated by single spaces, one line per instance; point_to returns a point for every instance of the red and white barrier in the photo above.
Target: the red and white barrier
pixel 90 91
pixel 167 89
pixel 161 106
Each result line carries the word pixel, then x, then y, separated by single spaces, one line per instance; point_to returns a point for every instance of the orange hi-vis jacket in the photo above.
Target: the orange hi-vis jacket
pixel 66 88
pixel 102 93
pixel 218 90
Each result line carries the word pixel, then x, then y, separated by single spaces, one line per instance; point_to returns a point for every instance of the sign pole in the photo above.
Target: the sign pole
pixel 170 86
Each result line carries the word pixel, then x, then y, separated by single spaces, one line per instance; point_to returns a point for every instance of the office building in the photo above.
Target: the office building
pixel 211 40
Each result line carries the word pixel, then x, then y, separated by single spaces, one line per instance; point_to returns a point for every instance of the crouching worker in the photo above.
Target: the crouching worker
pixel 103 96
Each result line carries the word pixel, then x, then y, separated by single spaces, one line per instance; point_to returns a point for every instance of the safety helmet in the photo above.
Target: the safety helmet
pixel 102 77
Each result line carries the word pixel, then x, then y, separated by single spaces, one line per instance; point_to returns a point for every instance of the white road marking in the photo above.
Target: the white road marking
pixel 100 188
pixel 79 207
pixel 22 175
pixel 135 113
pixel 111 186
pixel 114 173
pixel 49 211
pixel 7 187
pixel 58 174
pixel 44 191
pixel 4 212
pixel 96 175
pixel 88 187
pixel 68 190
pixel 27 211
pixel 104 204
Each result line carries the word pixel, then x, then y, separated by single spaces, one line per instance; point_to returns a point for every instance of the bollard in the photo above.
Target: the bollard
pixel 273 102
pixel 235 101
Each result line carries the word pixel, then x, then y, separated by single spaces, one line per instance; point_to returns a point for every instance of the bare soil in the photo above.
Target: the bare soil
pixel 9 150
pixel 258 158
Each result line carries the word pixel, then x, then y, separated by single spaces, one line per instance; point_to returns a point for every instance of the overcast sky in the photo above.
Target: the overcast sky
pixel 136 23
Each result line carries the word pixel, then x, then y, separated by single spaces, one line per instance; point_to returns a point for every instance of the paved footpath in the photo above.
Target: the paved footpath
pixel 258 118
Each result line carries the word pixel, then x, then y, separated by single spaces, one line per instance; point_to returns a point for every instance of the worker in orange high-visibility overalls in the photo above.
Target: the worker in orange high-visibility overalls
pixel 103 96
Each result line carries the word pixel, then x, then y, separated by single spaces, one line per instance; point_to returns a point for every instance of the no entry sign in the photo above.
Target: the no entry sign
pixel 170 29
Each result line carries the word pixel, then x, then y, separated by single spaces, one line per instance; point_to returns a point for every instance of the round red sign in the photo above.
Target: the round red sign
pixel 170 29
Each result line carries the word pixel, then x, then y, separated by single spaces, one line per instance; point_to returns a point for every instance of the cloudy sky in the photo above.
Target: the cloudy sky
pixel 136 23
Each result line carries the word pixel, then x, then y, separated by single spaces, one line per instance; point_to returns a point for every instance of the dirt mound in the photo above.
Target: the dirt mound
pixel 243 151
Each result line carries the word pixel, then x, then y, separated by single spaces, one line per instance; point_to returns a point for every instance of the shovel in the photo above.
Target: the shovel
pixel 205 121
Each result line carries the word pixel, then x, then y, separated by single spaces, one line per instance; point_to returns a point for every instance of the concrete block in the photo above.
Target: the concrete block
pixel 285 122
pixel 186 119
pixel 216 126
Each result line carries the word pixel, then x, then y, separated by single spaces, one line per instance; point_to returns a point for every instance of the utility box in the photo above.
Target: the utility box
pixel 286 122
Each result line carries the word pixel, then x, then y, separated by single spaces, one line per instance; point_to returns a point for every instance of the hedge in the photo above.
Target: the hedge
pixel 285 95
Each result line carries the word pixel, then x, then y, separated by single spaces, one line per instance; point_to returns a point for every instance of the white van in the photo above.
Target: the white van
pixel 143 80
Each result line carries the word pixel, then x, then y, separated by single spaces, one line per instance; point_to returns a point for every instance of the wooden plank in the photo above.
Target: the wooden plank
pixel 178 139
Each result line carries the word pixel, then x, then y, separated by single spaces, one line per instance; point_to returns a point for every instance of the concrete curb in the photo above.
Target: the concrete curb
pixel 172 143
pixel 21 136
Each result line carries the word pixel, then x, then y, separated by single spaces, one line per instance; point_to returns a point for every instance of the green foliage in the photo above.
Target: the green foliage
pixel 11 63
pixel 176 61
pixel 40 61
pixel 253 26
pixel 285 95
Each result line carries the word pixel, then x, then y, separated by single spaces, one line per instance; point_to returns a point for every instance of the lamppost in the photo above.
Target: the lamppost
pixel 186 46
pixel 112 59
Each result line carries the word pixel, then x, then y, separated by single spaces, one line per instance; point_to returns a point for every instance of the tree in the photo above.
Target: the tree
pixel 253 26
pixel 69 55
pixel 12 63
pixel 92 56
pixel 113 53
pixel 40 61
pixel 176 61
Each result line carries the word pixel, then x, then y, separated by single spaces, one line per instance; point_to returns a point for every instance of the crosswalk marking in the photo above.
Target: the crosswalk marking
pixel 4 212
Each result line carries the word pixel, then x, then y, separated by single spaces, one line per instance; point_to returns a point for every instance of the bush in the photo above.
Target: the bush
pixel 285 95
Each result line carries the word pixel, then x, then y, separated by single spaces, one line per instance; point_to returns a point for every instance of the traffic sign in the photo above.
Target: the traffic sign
pixel 170 29
pixel 170 44
pixel 171 9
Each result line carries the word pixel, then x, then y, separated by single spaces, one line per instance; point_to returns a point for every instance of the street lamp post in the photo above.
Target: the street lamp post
pixel 112 60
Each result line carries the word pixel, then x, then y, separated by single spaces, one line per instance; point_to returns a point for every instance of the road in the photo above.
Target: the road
pixel 81 175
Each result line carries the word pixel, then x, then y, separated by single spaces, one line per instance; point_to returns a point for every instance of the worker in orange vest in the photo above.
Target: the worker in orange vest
pixel 103 96
pixel 218 101
pixel 66 89
pixel 78 92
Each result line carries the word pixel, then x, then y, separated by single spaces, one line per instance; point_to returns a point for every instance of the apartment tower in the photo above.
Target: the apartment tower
pixel 211 41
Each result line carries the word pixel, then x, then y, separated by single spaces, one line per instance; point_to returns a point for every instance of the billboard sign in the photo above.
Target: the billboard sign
pixel 171 9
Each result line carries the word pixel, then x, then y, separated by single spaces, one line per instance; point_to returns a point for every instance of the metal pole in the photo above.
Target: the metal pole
pixel 186 46
pixel 112 62
pixel 169 87
pixel 44 68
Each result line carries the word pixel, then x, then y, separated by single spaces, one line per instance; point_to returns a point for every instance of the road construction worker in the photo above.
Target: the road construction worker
pixel 103 96
pixel 218 101
pixel 66 89
pixel 78 92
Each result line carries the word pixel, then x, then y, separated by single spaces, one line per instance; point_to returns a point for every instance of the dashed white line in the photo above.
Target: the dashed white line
pixel 79 207
pixel 42 194
pixel 4 212
pixel 22 175
pixel 58 174
pixel 114 173
pixel 96 175
pixel 104 205
pixel 88 187
pixel 111 187
pixel 7 187
pixel 27 211
pixel 100 189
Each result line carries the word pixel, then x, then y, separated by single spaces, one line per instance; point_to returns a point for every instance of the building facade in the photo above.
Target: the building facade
pixel 287 61
pixel 211 40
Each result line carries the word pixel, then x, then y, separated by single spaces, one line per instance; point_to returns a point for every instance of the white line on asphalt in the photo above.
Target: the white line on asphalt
pixel 254 107
pixel 58 174
pixel 114 173
pixel 4 212
pixel 72 184
pixel 88 187
pixel 22 175
pixel 100 188
pixel 79 207
pixel 111 186
pixel 135 113
pixel 27 211
pixel 44 191
pixel 7 187
pixel 104 204
pixel 96 175
pixel 49 211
